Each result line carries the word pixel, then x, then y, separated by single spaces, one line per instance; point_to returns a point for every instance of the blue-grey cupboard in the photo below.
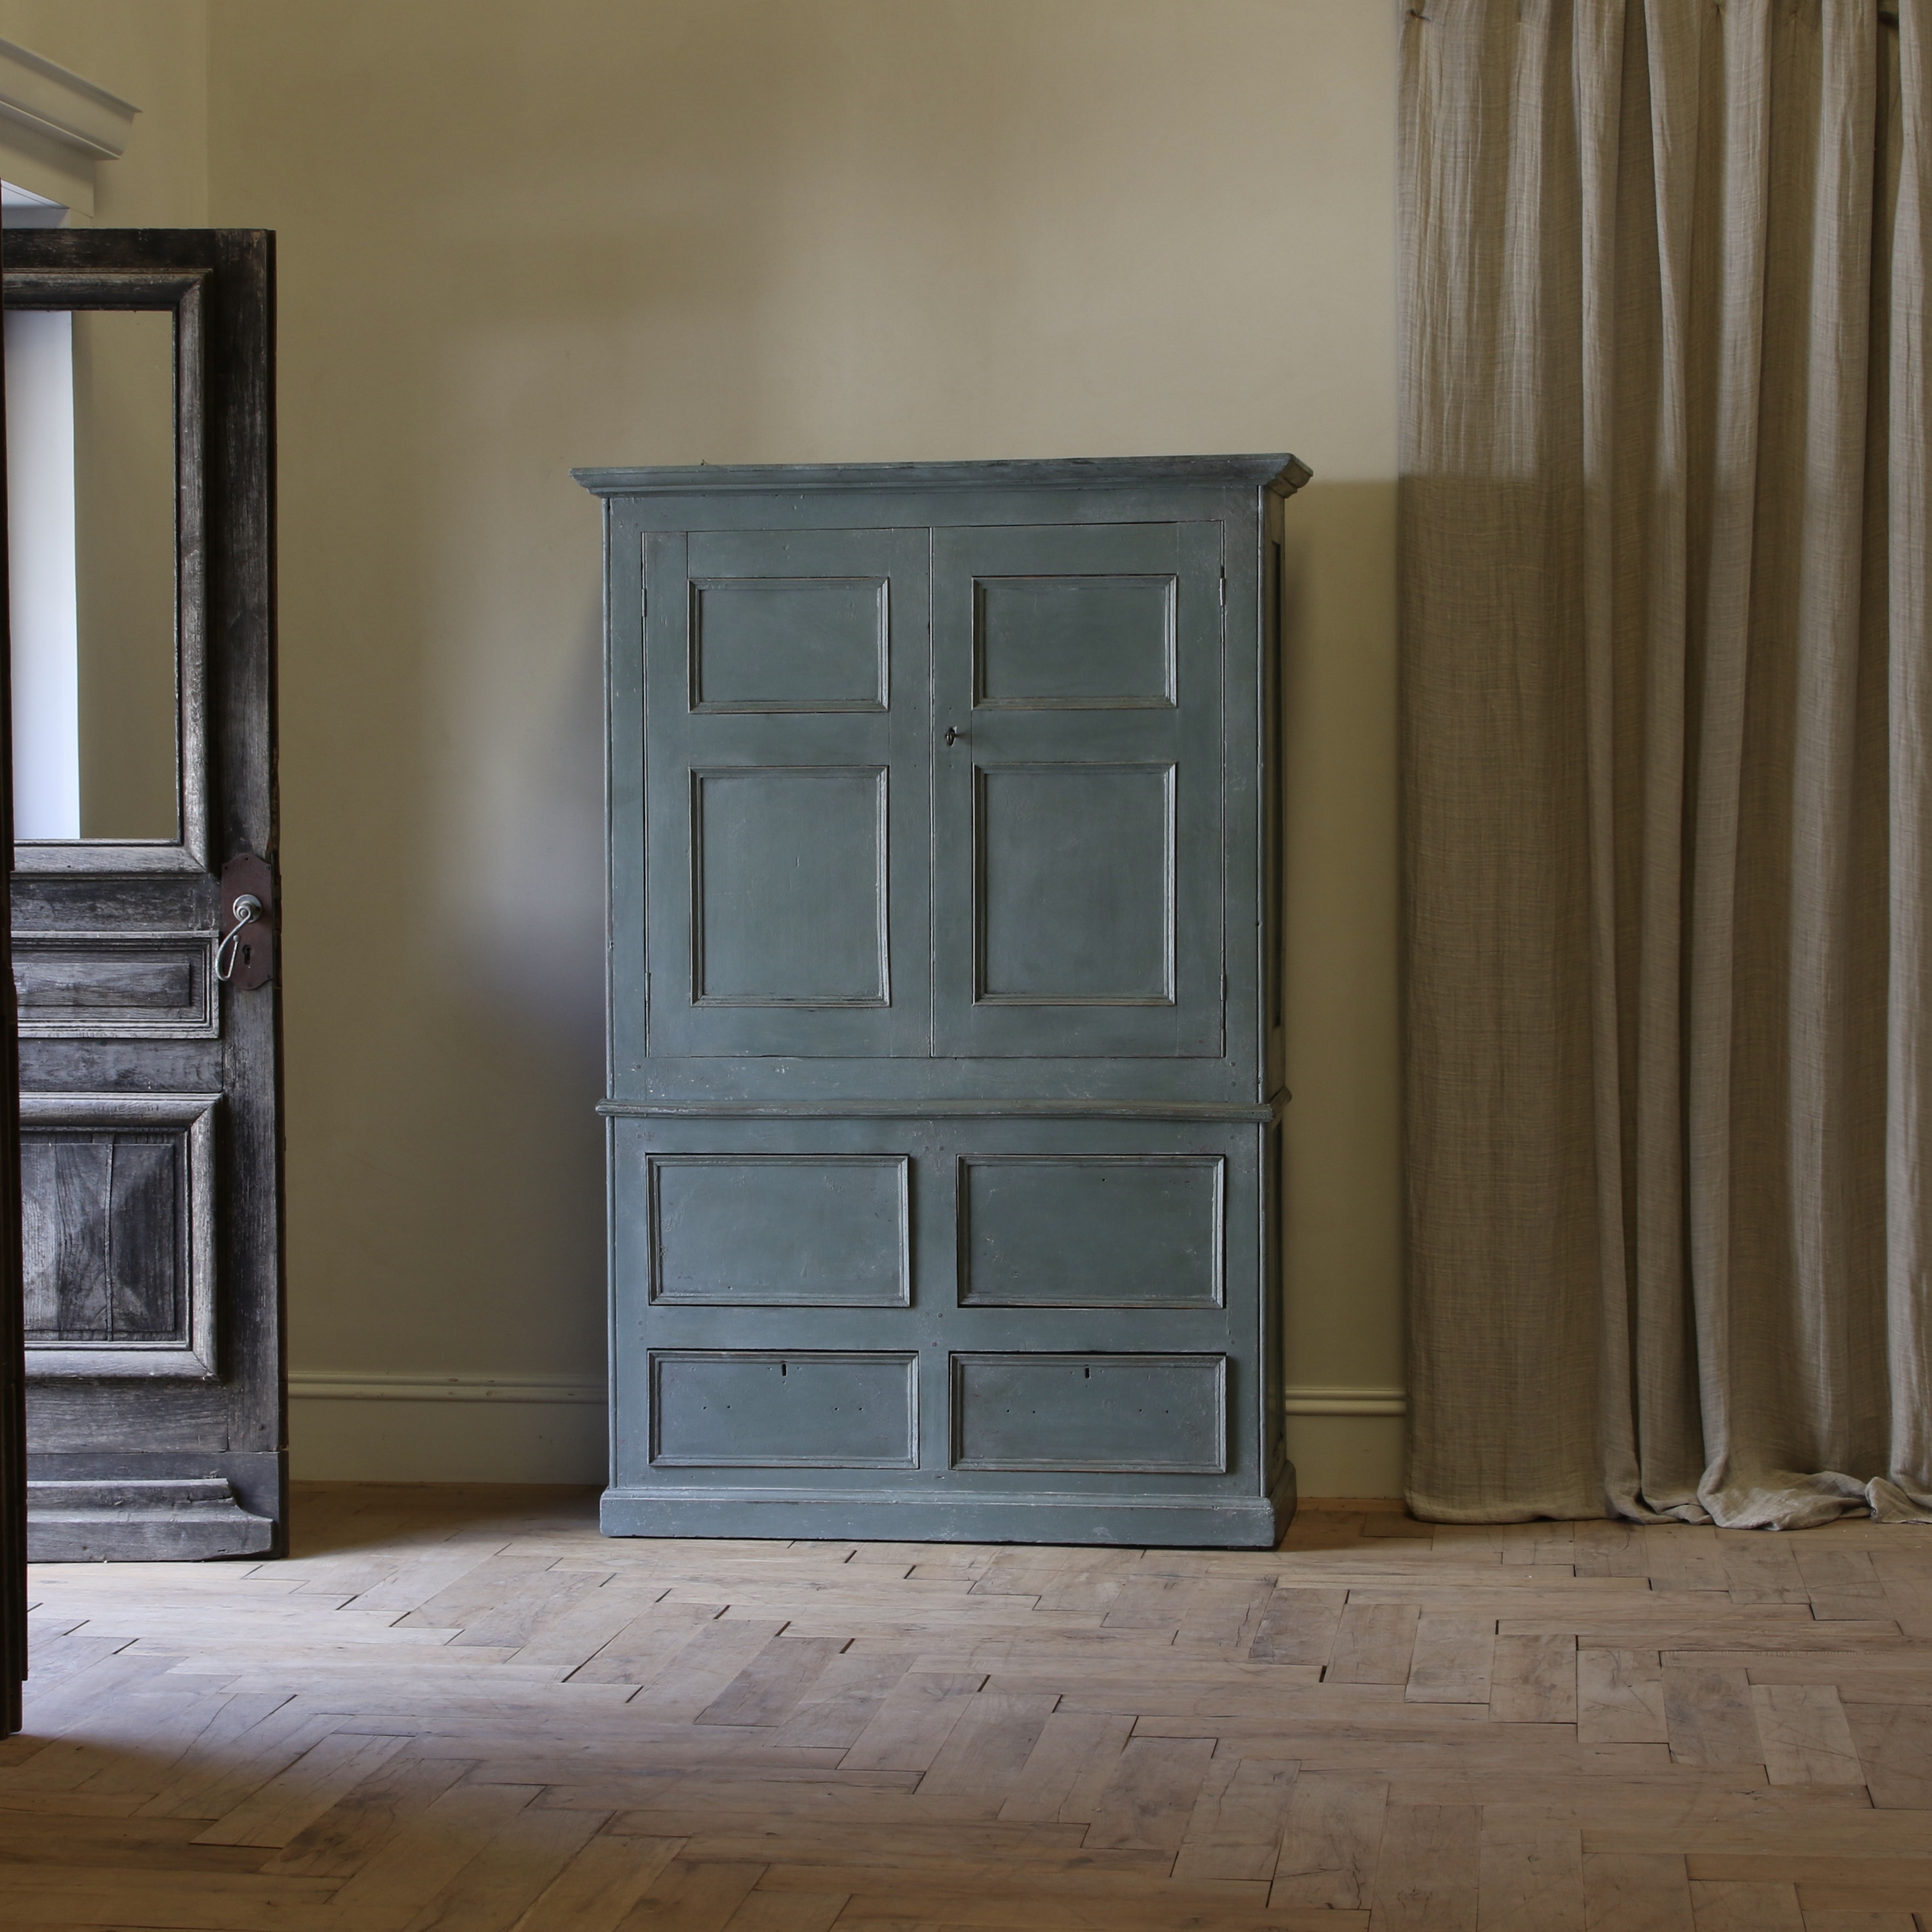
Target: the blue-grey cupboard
pixel 945 1003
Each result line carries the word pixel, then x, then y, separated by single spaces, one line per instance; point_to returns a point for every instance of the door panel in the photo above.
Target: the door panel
pixel 1074 895
pixel 137 986
pixel 780 1230
pixel 790 891
pixel 785 793
pixel 1077 847
pixel 118 1235
pixel 1091 1231
pixel 153 1176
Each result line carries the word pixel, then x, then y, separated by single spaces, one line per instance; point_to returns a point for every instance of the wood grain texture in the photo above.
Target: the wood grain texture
pixel 819 1737
pixel 13 1637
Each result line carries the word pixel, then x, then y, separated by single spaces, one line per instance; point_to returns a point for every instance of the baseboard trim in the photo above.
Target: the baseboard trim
pixel 328 1385
pixel 1345 1401
pixel 332 1385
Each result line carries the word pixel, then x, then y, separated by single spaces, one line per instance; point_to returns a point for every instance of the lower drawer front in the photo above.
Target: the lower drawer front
pixel 975 1309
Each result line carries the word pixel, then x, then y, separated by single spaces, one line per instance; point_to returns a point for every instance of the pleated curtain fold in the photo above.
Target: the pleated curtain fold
pixel 1666 724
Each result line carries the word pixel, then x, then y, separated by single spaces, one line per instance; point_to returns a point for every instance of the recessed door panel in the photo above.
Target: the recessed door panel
pixel 118 986
pixel 785 798
pixel 786 644
pixel 1077 790
pixel 768 1408
pixel 117 1234
pixel 1095 642
pixel 1123 1414
pixel 1092 1230
pixel 788 887
pixel 1075 885
pixel 780 1230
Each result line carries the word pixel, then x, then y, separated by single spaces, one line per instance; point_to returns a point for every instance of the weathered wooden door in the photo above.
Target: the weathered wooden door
pixel 13 1379
pixel 145 893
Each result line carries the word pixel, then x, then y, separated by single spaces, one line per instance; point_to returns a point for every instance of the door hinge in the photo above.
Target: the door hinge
pixel 1224 590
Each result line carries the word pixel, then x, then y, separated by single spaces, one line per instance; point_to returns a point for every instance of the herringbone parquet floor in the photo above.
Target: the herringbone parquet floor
pixel 462 1708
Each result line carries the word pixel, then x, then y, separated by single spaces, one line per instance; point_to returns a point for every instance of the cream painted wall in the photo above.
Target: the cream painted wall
pixel 516 236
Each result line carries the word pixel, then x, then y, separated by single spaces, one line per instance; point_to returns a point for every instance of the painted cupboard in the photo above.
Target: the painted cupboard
pixel 945 1000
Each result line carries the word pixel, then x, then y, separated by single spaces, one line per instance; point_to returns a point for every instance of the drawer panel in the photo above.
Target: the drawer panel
pixel 1122 1414
pixel 1091 1231
pixel 764 1230
pixel 772 1409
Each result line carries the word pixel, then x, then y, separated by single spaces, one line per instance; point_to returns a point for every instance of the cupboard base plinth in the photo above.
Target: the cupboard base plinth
pixel 1165 1523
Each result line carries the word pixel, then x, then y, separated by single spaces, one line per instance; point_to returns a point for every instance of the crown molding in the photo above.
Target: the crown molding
pixel 62 107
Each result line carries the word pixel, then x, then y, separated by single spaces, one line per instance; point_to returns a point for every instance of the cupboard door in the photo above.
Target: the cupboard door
pixel 1077 790
pixel 785 787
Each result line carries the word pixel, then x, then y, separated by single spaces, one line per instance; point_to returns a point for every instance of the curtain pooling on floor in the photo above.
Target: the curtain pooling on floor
pixel 1667 717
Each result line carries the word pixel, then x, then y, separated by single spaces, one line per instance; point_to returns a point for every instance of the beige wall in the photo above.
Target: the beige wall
pixel 517 236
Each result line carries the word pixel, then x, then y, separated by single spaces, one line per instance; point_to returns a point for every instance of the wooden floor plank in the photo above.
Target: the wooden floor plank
pixel 1429 1873
pixel 1147 1802
pixel 1069 1742
pixel 1332 1842
pixel 330 1769
pixel 1533 1681
pixel 1454 1658
pixel 913 1720
pixel 598 1889
pixel 1235 1829
pixel 1298 1626
pixel 1374 1644
pixel 1730 1906
pixel 1620 1697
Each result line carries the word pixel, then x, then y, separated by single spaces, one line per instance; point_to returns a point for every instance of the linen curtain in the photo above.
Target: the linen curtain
pixel 1666 721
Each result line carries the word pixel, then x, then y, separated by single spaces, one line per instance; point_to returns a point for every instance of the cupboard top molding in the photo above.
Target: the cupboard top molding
pixel 1281 474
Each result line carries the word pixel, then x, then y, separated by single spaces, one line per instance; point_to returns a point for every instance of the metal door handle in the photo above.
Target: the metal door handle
pixel 246 910
pixel 951 736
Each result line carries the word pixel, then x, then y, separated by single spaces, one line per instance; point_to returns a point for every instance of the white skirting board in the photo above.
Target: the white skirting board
pixel 347 1425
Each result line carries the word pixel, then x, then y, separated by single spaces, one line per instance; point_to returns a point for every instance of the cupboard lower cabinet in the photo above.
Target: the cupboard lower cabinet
pixel 945 1000
pixel 1042 1330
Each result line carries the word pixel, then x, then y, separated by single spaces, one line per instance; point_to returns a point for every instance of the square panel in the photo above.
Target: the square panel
pixel 780 1230
pixel 788 886
pixel 1074 884
pixel 1073 644
pixel 118 1235
pixel 779 644
pixel 1091 1231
